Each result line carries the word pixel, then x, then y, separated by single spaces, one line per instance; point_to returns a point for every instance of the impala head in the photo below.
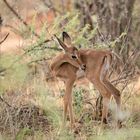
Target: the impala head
pixel 71 51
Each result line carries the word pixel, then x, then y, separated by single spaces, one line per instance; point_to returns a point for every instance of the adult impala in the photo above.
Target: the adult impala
pixel 95 65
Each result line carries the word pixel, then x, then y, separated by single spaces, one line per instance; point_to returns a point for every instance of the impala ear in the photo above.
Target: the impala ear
pixel 61 43
pixel 66 38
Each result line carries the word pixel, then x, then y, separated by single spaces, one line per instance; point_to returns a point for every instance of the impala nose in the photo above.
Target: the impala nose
pixel 83 67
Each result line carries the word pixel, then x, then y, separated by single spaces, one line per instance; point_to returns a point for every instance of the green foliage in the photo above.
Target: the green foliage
pixel 70 23
pixel 22 134
pixel 43 96
pixel 123 134
pixel 78 101
pixel 14 77
pixel 117 40
pixel 79 35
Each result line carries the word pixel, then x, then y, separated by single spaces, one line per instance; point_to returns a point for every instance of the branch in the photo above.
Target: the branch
pixel 26 52
pixel 1 20
pixel 14 12
pixel 5 102
pixel 18 16
pixel 50 6
pixel 4 38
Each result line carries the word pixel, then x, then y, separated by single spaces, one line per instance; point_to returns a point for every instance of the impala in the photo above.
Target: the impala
pixel 95 65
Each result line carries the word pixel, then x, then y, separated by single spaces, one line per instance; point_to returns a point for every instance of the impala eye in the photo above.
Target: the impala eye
pixel 74 57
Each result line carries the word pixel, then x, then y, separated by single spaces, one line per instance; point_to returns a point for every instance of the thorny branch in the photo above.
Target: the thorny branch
pixel 26 52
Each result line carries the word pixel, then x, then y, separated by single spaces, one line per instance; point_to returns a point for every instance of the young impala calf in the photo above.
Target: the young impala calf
pixel 95 65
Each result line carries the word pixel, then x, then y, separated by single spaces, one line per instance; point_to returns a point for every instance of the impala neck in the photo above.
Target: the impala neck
pixel 63 59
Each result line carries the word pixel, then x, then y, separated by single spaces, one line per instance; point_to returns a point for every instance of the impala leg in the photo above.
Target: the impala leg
pixel 71 111
pixel 106 101
pixel 65 108
pixel 106 97
pixel 68 100
pixel 116 93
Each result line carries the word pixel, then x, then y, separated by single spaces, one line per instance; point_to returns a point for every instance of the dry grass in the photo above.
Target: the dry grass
pixel 27 116
pixel 37 116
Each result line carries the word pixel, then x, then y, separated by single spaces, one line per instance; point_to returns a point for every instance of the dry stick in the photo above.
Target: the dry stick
pixel 15 13
pixel 1 20
pixel 4 38
pixel 120 75
pixel 51 6
pixel 127 30
pixel 14 29
pixel 39 60
pixel 130 93
pixel 5 102
pixel 88 100
pixel 62 6
pixel 129 60
pixel 1 70
pixel 101 35
pixel 18 16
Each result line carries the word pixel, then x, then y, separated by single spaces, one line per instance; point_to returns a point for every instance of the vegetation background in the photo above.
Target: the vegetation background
pixel 31 99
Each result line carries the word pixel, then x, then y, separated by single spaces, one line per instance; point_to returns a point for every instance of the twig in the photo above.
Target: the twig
pixel 43 59
pixel 14 29
pixel 26 52
pixel 87 100
pixel 51 6
pixel 5 102
pixel 1 20
pixel 4 38
pixel 15 13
